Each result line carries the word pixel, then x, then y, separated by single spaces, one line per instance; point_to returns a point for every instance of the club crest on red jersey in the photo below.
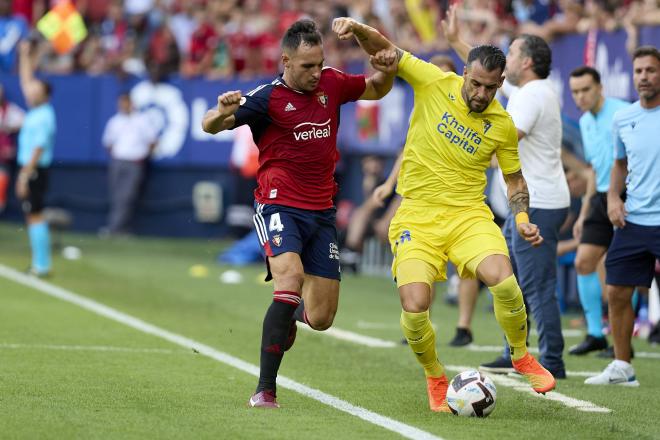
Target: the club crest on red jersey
pixel 277 240
pixel 323 98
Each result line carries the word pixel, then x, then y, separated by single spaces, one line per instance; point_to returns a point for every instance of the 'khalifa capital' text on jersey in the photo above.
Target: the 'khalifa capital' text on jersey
pixel 458 134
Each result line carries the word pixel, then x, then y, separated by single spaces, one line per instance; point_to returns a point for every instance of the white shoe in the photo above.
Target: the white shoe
pixel 616 373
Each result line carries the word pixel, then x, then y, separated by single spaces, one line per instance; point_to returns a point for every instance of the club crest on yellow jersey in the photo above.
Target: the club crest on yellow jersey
pixel 487 125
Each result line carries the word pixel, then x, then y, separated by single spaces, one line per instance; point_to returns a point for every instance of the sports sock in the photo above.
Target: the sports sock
pixel 273 338
pixel 4 185
pixel 511 314
pixel 420 335
pixel 300 315
pixel 590 298
pixel 40 244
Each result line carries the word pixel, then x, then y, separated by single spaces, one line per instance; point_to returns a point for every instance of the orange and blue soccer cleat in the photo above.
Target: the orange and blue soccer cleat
pixel 437 390
pixel 263 399
pixel 541 379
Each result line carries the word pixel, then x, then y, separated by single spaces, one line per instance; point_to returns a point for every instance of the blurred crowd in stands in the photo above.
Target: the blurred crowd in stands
pixel 240 38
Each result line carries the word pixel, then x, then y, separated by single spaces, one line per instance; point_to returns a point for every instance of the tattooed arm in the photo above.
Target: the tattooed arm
pixel 384 56
pixel 369 39
pixel 519 204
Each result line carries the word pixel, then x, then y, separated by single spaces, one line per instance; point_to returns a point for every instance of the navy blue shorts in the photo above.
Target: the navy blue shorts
pixel 37 185
pixel 631 256
pixel 310 234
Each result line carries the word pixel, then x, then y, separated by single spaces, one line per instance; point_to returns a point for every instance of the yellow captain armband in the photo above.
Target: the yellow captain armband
pixel 522 217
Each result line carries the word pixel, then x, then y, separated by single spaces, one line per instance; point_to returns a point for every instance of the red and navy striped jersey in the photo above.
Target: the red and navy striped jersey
pixel 296 133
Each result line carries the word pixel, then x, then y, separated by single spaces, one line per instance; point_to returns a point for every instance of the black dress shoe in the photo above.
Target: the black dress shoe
pixel 590 343
pixel 500 365
pixel 558 374
pixel 654 336
pixel 462 338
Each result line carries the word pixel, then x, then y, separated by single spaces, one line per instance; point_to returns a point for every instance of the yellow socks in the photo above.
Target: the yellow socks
pixel 421 337
pixel 511 315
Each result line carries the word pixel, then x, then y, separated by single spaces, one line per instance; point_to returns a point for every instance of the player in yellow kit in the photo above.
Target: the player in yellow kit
pixel 455 128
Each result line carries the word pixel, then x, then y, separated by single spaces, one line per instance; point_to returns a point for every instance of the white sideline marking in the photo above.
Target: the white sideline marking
pixel 500 348
pixel 523 387
pixel 376 325
pixel 91 348
pixel 567 332
pixel 130 321
pixel 353 337
pixel 647 355
pixel 495 348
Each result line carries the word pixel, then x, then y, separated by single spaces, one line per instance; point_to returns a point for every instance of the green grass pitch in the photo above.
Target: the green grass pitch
pixel 66 372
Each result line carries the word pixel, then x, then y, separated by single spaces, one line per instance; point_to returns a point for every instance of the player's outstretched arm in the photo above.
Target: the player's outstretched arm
pixel 384 55
pixel 586 202
pixel 384 190
pixel 450 29
pixel 369 39
pixel 222 117
pixel 25 67
pixel 519 204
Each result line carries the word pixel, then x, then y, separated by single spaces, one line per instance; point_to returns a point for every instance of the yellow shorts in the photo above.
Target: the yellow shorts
pixel 435 234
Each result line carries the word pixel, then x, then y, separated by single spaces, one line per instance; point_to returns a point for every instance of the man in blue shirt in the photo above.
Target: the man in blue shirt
pixel 636 244
pixel 35 154
pixel 593 228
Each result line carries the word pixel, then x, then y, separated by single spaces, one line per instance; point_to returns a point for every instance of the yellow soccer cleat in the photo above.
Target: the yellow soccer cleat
pixel 437 390
pixel 541 379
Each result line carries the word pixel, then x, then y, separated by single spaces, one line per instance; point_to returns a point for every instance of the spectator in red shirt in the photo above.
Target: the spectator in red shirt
pixel 162 57
pixel 200 53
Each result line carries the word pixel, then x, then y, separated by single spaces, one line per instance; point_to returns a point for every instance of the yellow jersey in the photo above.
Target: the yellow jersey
pixel 449 148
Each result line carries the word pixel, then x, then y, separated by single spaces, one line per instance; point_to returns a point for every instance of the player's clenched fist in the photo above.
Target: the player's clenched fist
pixel 228 102
pixel 344 27
pixel 384 60
pixel 531 233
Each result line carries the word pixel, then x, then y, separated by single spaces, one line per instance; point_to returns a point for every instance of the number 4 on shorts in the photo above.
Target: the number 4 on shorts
pixel 275 223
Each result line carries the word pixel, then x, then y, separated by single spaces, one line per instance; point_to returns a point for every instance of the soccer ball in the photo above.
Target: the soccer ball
pixel 471 394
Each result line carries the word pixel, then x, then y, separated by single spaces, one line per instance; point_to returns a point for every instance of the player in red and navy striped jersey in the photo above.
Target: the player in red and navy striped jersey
pixel 294 122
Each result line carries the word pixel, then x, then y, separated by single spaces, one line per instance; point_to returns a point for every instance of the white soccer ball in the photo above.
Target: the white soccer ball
pixel 71 253
pixel 471 394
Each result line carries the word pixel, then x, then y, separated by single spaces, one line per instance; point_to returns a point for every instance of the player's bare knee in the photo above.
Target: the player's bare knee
pixel 584 266
pixel 414 305
pixel 494 269
pixel 618 297
pixel 322 322
pixel 290 279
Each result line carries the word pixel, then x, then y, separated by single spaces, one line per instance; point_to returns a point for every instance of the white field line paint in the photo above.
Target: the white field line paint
pixel 346 335
pixel 404 430
pixel 582 373
pixel 374 342
pixel 523 387
pixel 648 355
pixel 495 348
pixel 567 332
pixel 376 325
pixel 500 348
pixel 91 348
pixel 381 325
